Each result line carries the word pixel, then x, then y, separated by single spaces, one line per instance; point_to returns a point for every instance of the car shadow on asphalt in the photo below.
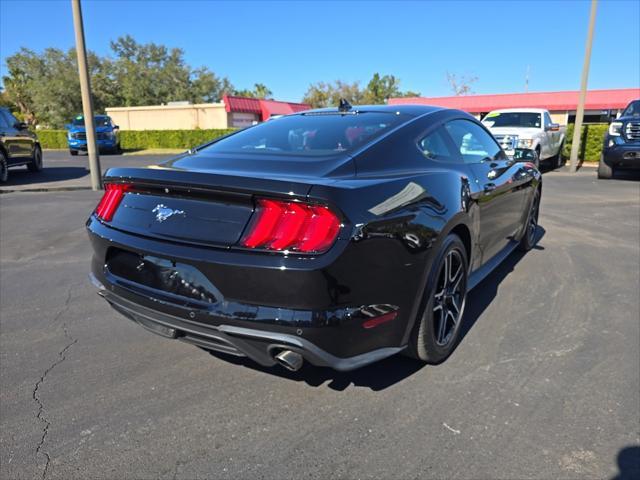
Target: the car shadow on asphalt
pixel 483 294
pixel 386 373
pixel 46 175
pixel 628 463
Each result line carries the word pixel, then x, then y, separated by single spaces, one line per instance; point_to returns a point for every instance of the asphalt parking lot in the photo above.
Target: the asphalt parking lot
pixel 62 171
pixel 545 383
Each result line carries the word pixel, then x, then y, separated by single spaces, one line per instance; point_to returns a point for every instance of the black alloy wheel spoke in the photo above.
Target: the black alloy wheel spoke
pixel 448 298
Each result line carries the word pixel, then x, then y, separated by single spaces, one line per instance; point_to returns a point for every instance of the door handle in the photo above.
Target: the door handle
pixel 489 187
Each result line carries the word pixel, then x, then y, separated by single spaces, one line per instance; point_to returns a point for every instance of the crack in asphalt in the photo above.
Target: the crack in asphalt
pixel 34 394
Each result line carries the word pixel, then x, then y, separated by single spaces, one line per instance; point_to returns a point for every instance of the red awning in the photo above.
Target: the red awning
pixel 241 104
pixel 273 107
pixel 264 108
pixel 596 100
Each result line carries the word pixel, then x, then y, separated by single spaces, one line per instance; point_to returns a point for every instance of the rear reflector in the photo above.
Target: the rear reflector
pixel 375 321
pixel 113 193
pixel 300 227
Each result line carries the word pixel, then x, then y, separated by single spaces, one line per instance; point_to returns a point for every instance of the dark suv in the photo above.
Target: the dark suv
pixel 18 146
pixel 621 149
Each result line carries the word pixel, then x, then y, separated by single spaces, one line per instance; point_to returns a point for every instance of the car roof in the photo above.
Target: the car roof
pixel 412 110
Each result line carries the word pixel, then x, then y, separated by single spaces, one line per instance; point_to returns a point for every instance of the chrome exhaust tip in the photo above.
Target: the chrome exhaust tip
pixel 290 360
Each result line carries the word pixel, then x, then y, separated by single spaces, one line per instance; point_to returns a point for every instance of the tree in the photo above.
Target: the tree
pixel 462 85
pixel 45 88
pixel 151 74
pixel 24 68
pixel 262 91
pixel 259 91
pixel 323 94
pixel 378 90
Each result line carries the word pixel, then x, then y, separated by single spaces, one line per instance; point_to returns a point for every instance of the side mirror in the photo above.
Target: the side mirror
pixel 553 127
pixel 116 127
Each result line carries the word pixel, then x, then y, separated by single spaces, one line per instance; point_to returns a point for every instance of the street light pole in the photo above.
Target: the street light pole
pixel 575 144
pixel 87 105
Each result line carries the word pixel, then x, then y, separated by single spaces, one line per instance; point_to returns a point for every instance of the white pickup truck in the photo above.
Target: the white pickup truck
pixel 527 128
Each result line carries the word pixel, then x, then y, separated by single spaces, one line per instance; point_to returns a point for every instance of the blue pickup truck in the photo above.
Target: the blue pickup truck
pixel 108 136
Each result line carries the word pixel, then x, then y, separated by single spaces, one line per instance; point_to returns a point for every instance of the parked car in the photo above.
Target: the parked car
pixel 527 128
pixel 621 149
pixel 18 145
pixel 107 133
pixel 336 236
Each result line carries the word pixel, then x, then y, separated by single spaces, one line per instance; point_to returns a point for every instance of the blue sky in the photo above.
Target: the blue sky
pixel 288 45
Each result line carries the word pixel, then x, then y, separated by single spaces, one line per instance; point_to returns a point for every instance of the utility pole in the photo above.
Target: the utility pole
pixel 575 144
pixel 87 105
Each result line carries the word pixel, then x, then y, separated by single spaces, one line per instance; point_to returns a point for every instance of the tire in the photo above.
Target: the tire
pixel 73 153
pixel 536 160
pixel 35 165
pixel 4 168
pixel 437 330
pixel 558 158
pixel 530 235
pixel 605 172
pixel 118 150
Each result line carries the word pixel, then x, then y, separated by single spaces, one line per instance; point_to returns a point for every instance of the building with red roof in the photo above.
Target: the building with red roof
pixel 231 112
pixel 245 111
pixel 600 105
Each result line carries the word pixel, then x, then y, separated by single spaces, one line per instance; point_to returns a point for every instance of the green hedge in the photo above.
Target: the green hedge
pixel 142 139
pixel 52 138
pixel 590 142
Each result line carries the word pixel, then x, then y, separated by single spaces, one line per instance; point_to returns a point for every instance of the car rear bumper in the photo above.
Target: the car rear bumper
pixel 623 156
pixel 319 308
pixel 260 346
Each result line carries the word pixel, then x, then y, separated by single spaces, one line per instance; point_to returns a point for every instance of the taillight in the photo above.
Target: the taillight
pixel 300 227
pixel 113 193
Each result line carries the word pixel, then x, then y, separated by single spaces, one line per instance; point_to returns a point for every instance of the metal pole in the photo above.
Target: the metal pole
pixel 87 105
pixel 575 144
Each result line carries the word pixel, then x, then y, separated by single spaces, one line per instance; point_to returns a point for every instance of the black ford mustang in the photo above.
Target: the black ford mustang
pixel 337 236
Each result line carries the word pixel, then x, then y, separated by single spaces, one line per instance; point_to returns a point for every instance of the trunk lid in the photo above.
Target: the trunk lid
pixel 209 201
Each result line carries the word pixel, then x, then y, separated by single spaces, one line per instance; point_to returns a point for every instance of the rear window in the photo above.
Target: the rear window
pixel 309 135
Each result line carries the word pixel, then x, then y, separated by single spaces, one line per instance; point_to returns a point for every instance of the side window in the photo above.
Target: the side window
pixel 436 147
pixel 473 142
pixel 9 119
pixel 547 119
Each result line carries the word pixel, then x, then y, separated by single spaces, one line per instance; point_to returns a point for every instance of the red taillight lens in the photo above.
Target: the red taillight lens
pixel 113 193
pixel 280 225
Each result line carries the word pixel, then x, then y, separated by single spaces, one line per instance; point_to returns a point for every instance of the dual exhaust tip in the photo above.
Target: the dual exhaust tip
pixel 290 360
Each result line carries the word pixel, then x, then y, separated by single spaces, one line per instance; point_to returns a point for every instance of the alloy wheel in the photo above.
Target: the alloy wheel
pixel 449 298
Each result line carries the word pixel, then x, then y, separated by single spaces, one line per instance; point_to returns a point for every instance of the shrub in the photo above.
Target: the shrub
pixel 591 140
pixel 52 138
pixel 142 139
